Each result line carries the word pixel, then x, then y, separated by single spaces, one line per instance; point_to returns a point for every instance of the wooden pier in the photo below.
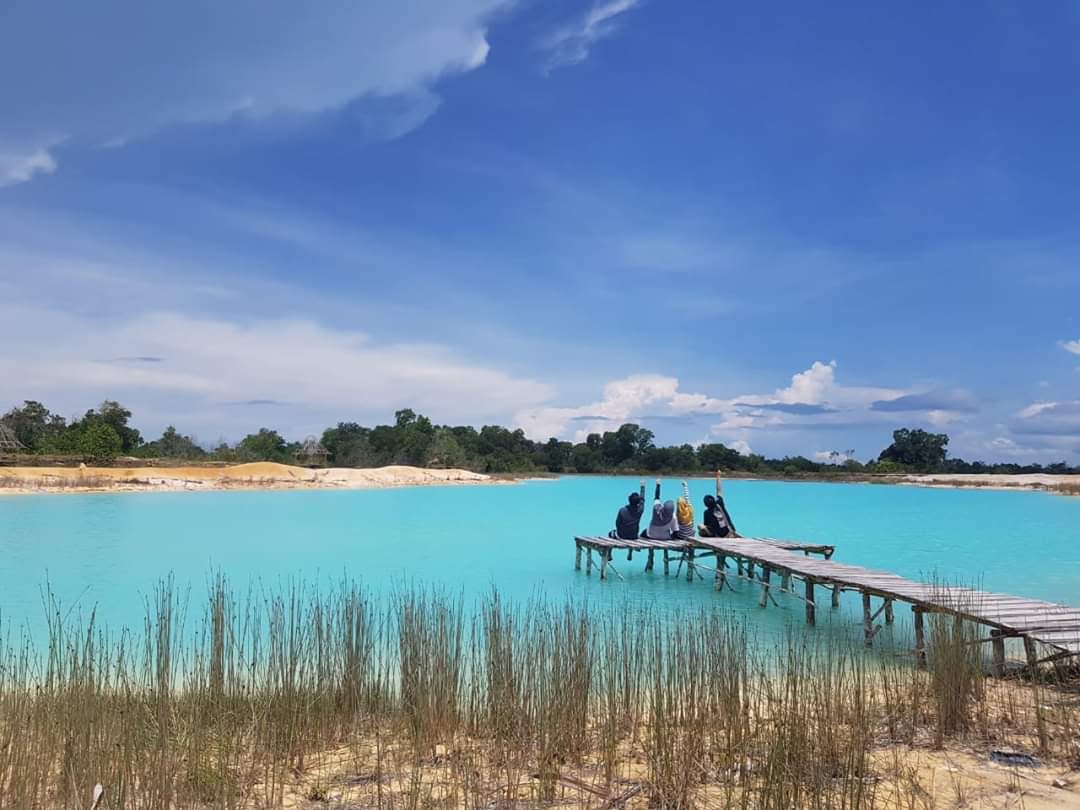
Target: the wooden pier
pixel 1053 627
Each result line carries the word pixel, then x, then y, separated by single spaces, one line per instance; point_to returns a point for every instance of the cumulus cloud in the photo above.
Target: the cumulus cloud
pixel 621 400
pixel 570 45
pixel 104 73
pixel 1071 346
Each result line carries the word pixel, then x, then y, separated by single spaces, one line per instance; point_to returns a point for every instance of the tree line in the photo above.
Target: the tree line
pixel 104 434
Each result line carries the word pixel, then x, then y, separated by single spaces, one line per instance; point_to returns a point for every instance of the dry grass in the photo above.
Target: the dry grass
pixel 305 698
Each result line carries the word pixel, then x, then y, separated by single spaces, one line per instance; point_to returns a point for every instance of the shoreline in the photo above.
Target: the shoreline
pixel 244 477
pixel 273 476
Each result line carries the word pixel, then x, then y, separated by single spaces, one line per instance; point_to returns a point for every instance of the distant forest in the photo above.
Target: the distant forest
pixel 105 434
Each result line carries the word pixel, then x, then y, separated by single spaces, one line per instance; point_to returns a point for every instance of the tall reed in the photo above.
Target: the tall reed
pixel 264 698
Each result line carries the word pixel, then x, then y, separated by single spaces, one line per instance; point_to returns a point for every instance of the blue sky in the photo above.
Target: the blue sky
pixel 790 228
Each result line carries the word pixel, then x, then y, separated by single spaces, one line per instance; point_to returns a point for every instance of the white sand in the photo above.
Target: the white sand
pixel 1065 484
pixel 259 475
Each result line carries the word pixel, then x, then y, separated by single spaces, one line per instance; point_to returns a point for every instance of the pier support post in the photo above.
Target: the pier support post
pixel 867 620
pixel 785 582
pixel 605 557
pixel 739 566
pixel 1030 653
pixel 810 606
pixel 997 644
pixel 588 561
pixel 629 554
pixel 766 575
pixel 577 557
pixel 836 596
pixel 649 560
pixel 721 564
pixel 749 569
pixel 889 611
pixel 920 637
pixel 667 562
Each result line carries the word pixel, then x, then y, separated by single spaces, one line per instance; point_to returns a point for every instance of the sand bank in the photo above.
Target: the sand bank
pixel 259 475
pixel 1061 484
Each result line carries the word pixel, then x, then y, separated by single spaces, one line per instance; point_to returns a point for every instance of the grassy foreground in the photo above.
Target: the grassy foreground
pixel 308 698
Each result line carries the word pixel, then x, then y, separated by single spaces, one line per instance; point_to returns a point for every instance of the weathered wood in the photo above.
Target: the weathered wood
pixel 766 575
pixel 605 558
pixel 785 581
pixel 721 575
pixel 810 606
pixel 667 562
pixel 1030 652
pixel 1052 625
pixel 577 557
pixel 920 637
pixel 649 560
pixel 997 641
pixel 836 596
pixel 588 561
pixel 690 564
pixel 868 620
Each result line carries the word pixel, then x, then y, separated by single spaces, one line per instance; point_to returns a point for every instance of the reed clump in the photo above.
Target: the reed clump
pixel 303 696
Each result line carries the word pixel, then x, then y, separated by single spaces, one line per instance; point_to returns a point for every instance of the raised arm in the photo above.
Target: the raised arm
pixel 641 492
pixel 657 497
pixel 686 491
pixel 719 485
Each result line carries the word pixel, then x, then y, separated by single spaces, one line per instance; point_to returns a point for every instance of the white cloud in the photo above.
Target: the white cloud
pixel 107 72
pixel 570 45
pixel 1061 419
pixel 621 400
pixel 1072 346
pixel 18 168
pixel 742 447
pixel 210 365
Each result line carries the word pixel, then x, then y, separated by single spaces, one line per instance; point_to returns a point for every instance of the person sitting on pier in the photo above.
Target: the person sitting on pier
pixel 684 515
pixel 717 520
pixel 663 525
pixel 628 520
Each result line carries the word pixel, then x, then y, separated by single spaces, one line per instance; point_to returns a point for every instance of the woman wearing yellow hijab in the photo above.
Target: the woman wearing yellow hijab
pixel 684 514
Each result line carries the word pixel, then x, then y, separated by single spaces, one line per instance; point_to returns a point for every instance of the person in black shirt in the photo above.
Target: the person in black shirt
pixel 628 520
pixel 717 520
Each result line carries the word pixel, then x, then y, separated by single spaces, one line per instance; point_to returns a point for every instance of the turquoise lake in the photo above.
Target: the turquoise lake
pixel 106 552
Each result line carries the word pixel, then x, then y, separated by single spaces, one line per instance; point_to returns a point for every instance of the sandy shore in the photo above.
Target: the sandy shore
pixel 1061 484
pixel 259 475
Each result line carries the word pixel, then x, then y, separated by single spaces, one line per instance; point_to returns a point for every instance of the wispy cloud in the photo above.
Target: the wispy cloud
pixel 1071 346
pixel 571 44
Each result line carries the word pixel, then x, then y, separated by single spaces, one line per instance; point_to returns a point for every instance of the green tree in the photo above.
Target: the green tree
pixel 916 448
pixel 173 445
pixel 34 425
pixel 719 457
pixel 100 443
pixel 348 444
pixel 444 450
pixel 586 459
pixel 266 445
pixel 116 416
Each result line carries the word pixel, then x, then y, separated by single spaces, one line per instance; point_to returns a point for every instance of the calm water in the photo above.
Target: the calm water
pixel 108 551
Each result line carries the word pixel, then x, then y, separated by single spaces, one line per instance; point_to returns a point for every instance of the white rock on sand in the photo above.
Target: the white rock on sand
pixel 258 475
